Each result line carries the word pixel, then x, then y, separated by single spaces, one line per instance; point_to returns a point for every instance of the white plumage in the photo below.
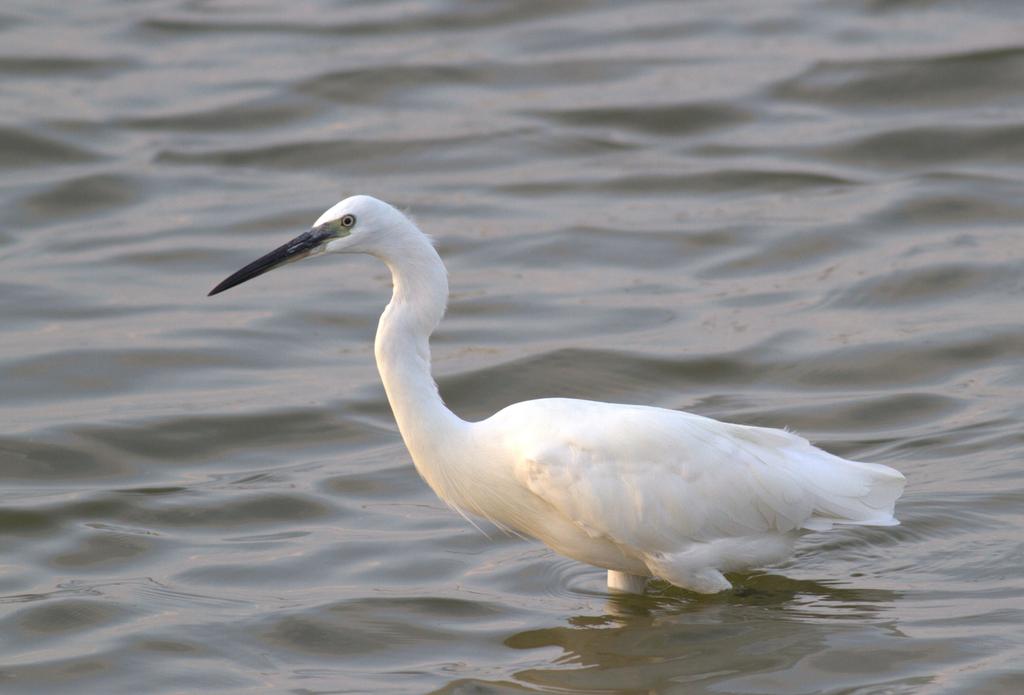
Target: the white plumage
pixel 639 491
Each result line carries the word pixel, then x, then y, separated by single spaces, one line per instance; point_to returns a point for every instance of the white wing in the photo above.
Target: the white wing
pixel 652 478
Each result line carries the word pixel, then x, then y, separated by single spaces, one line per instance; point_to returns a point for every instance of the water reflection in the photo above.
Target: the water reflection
pixel 761 632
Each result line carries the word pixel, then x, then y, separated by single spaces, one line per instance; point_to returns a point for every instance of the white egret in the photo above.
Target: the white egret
pixel 639 491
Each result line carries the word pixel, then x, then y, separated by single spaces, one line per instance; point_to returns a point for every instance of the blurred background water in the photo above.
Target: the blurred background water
pixel 796 213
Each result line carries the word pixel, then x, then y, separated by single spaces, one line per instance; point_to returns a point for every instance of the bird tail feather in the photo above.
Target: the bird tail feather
pixel 850 492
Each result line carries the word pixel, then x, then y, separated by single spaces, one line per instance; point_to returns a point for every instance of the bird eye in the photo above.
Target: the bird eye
pixel 348 221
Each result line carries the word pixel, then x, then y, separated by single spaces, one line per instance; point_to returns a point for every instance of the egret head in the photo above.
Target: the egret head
pixel 360 224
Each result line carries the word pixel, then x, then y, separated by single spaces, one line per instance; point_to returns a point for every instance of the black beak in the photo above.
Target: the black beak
pixel 296 249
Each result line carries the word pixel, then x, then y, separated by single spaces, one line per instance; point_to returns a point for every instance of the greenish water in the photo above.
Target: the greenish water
pixel 802 214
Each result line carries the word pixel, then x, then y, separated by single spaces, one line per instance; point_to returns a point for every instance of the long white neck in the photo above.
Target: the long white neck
pixel 403 354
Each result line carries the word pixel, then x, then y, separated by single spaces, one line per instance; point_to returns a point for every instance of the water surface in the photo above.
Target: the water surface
pixel 802 214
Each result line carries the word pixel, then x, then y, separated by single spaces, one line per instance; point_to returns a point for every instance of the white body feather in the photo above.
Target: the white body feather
pixel 639 491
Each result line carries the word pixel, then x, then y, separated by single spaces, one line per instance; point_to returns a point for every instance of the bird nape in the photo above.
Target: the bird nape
pixel 639 491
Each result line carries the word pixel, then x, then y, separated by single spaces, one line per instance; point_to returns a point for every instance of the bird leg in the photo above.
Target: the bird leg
pixel 626 583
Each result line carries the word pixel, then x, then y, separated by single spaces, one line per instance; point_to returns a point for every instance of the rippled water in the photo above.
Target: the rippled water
pixel 803 214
